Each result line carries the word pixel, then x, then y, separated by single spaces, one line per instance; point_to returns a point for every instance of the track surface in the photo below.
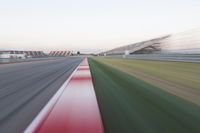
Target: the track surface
pixel 25 88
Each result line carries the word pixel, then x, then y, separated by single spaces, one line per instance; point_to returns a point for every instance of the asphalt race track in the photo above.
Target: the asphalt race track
pixel 25 88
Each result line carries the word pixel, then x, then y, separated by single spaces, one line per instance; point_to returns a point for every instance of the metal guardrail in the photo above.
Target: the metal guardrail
pixel 6 60
pixel 166 57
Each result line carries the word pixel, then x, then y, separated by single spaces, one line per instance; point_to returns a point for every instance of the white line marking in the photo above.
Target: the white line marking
pixel 45 111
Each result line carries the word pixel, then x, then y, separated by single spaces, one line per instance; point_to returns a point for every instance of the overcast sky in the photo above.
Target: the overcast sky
pixel 91 25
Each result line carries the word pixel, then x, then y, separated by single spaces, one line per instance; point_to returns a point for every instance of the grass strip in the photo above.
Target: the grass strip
pixel 130 105
pixel 179 78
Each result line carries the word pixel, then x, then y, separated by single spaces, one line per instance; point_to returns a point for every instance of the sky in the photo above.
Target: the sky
pixel 91 25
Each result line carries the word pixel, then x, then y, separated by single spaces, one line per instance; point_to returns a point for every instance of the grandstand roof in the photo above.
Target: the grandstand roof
pixel 136 46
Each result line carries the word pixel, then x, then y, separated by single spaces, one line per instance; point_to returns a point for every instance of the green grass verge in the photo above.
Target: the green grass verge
pixel 130 105
pixel 179 78
pixel 183 73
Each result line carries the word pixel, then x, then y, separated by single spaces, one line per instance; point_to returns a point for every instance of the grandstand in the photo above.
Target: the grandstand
pixel 149 46
pixel 184 42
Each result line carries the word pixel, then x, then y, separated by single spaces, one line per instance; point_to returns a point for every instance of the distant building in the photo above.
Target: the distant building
pixel 20 54
pixel 60 53
pixel 9 54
